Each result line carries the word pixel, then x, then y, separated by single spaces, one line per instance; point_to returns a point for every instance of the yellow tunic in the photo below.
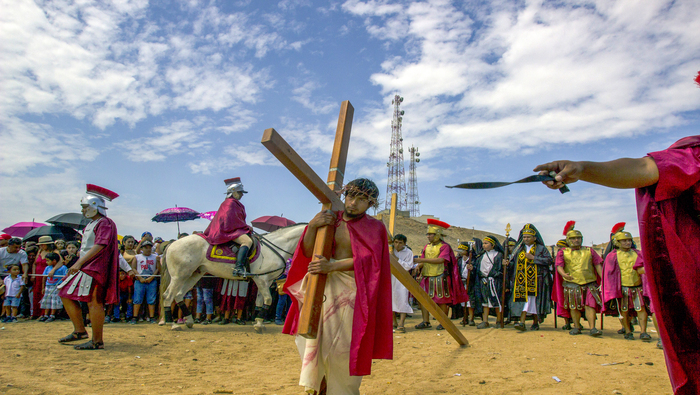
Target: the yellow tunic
pixel 433 269
pixel 629 276
pixel 579 265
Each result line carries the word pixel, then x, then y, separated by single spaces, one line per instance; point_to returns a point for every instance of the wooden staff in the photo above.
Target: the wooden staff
pixel 505 276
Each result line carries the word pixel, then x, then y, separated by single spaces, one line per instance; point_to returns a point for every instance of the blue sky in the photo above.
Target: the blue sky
pixel 162 101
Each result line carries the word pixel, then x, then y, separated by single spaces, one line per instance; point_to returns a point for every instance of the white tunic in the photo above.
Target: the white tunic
pixel 399 293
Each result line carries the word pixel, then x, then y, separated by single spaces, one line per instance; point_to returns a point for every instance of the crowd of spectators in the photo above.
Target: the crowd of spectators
pixel 32 271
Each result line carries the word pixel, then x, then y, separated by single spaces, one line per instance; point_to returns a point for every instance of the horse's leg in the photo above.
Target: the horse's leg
pixel 179 298
pixel 262 303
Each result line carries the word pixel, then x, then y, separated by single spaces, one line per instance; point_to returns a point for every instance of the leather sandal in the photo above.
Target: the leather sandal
pixel 73 337
pixel 423 325
pixel 90 345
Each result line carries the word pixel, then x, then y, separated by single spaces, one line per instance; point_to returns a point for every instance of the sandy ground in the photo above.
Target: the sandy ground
pixel 233 359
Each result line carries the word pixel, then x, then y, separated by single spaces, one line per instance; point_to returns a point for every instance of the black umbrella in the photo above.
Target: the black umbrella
pixel 56 232
pixel 70 220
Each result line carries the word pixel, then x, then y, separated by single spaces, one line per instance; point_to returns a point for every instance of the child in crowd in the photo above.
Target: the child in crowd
pixel 124 310
pixel 284 301
pixel 14 285
pixel 205 296
pixel 146 284
pixel 51 302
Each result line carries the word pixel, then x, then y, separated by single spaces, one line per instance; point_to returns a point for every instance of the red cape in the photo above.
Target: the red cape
pixel 104 266
pixel 459 293
pixel 228 223
pixel 372 321
pixel 670 234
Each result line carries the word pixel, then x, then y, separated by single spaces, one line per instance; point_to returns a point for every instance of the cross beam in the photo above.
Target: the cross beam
pixel 326 193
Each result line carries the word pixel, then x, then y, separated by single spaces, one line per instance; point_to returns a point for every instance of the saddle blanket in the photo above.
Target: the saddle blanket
pixel 226 253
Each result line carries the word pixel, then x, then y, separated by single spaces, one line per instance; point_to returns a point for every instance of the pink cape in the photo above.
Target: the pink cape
pixel 670 235
pixel 612 280
pixel 459 294
pixel 558 291
pixel 228 223
pixel 104 266
pixel 372 321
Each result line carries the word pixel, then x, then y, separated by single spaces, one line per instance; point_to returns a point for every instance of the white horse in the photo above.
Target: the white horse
pixel 187 262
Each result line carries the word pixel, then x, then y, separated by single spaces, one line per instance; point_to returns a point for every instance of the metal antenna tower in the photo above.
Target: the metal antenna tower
pixel 396 183
pixel 413 200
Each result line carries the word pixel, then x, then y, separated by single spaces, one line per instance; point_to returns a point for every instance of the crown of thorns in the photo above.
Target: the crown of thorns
pixel 364 187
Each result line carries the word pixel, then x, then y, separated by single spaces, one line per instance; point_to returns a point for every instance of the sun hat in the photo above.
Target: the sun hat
pixel 44 240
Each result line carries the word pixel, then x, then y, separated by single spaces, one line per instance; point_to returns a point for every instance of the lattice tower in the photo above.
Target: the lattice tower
pixel 396 182
pixel 413 200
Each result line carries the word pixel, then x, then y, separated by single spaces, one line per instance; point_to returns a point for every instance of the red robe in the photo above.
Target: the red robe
pixel 372 320
pixel 228 223
pixel 670 234
pixel 457 291
pixel 104 266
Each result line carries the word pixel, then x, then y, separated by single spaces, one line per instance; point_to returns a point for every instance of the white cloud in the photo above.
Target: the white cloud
pixel 26 144
pixel 530 74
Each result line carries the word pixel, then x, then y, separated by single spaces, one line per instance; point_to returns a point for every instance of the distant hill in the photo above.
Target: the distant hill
pixel 415 232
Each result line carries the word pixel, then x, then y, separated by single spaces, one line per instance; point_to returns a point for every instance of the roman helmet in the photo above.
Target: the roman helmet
pixel 95 200
pixel 234 185
pixel 570 232
pixel 437 227
pixel 618 234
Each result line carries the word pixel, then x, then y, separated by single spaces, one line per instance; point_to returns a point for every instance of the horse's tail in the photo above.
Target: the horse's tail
pixel 165 277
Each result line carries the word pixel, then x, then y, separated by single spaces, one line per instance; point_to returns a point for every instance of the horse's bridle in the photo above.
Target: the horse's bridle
pixel 270 245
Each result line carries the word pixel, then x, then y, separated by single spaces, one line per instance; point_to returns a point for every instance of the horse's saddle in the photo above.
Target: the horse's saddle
pixel 227 252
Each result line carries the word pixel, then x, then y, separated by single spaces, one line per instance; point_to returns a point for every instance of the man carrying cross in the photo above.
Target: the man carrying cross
pixel 356 323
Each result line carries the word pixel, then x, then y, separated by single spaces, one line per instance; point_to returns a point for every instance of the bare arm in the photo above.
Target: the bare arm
pixel 564 274
pixel 621 173
pixel 321 219
pixel 321 265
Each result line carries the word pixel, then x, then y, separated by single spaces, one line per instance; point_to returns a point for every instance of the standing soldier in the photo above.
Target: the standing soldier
pixel 580 268
pixel 439 272
pixel 94 278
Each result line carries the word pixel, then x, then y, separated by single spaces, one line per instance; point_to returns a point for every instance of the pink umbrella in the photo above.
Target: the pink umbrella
pixel 176 214
pixel 208 215
pixel 271 223
pixel 20 229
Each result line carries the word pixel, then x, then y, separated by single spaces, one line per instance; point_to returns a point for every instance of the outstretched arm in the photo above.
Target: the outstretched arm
pixel 619 173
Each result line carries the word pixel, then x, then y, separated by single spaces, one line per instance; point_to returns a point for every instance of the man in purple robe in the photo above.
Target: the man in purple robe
pixel 229 224
pixel 668 209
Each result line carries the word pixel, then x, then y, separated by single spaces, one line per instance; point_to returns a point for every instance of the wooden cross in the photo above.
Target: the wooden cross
pixel 326 193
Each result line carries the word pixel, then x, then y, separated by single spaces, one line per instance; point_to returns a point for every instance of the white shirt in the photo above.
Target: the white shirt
pixel 145 265
pixel 6 258
pixel 12 286
pixel 487 262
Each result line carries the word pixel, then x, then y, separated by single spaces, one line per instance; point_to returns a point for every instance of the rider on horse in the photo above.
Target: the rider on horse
pixel 229 225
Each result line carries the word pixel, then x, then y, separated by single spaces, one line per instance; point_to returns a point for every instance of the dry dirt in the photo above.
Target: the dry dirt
pixel 233 359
